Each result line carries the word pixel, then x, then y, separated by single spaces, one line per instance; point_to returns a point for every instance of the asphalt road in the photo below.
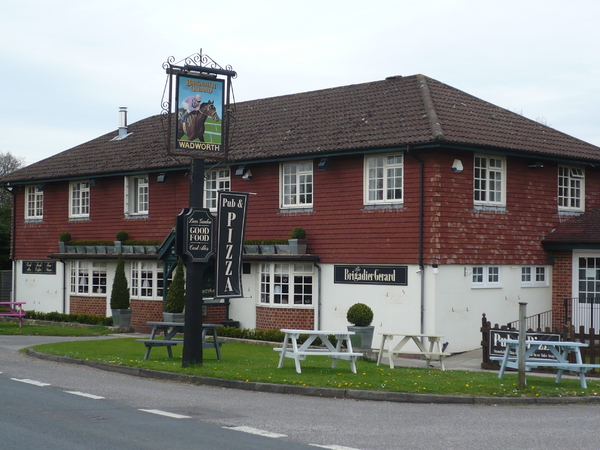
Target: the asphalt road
pixel 140 413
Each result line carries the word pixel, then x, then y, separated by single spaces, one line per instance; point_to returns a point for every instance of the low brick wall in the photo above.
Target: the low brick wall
pixel 276 318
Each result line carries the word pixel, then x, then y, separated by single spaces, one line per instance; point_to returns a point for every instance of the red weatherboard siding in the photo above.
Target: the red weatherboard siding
pixel 38 240
pixel 339 227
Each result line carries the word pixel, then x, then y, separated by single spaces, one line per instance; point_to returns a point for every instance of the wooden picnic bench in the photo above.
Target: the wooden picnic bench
pixel 560 351
pixel 299 353
pixel 433 352
pixel 15 309
pixel 170 330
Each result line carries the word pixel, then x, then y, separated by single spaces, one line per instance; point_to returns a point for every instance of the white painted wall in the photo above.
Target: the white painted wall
pixel 244 309
pixel 40 292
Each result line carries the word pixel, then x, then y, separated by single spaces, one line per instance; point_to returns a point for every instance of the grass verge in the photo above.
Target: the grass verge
pixel 12 328
pixel 258 363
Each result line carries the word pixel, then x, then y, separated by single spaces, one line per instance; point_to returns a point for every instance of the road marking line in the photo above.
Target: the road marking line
pixel 257 431
pixel 333 447
pixel 165 413
pixel 83 394
pixel 28 381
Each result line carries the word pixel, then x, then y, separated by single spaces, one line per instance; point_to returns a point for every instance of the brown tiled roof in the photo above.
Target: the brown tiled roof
pixel 583 229
pixel 395 112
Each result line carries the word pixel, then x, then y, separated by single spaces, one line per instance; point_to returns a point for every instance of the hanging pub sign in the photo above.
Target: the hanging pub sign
pixel 232 207
pixel 199 113
pixel 194 234
pixel 366 274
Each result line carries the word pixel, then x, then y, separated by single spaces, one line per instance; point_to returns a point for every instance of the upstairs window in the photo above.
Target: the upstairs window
pixel 137 195
pixel 534 276
pixel 489 181
pixel 215 181
pixel 79 199
pixel 297 185
pixel 486 277
pixel 384 179
pixel 571 185
pixel 34 203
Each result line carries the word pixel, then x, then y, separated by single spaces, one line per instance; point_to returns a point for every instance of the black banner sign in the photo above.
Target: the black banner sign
pixel 40 267
pixel 195 232
pixel 497 348
pixel 356 274
pixel 232 207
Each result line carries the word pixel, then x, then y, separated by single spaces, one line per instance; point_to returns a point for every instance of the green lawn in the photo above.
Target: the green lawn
pixel 13 328
pixel 258 363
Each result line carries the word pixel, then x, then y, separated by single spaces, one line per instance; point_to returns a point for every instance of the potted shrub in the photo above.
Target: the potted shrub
pixel 361 316
pixel 63 240
pixel 119 296
pixel 175 301
pixel 297 241
pixel 122 236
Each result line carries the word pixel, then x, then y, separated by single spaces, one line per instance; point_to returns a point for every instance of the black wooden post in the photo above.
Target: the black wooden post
pixel 192 335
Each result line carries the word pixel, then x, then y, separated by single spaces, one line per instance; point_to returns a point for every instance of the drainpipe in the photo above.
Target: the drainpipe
pixel 319 296
pixel 421 225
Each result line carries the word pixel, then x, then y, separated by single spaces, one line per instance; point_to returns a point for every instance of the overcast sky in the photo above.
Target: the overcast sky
pixel 68 65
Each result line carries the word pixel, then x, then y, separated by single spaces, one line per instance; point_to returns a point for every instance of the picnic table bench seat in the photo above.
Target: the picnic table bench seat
pixel 150 343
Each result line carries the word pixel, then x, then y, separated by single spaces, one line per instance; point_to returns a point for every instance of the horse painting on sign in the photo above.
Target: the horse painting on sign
pixel 194 124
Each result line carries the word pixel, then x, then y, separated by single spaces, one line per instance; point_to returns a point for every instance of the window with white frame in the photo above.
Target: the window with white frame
pixel 297 185
pixel 88 278
pixel 384 179
pixel 489 181
pixel 215 181
pixel 147 280
pixel 34 203
pixel 288 284
pixel 571 188
pixel 486 276
pixel 534 276
pixel 79 199
pixel 137 195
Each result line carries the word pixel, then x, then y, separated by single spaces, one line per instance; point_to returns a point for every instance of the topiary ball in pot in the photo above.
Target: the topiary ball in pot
pixel 360 315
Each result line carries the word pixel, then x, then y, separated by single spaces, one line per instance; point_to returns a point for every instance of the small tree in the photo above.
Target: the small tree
pixel 119 296
pixel 175 301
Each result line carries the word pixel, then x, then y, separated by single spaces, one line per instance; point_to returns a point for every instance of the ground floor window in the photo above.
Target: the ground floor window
pixel 88 277
pixel 288 284
pixel 147 279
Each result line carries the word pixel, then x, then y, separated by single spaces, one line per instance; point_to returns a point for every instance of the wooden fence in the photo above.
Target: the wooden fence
pixel 590 354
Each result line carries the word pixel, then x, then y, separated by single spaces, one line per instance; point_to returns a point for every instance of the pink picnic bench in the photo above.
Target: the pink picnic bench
pixel 15 309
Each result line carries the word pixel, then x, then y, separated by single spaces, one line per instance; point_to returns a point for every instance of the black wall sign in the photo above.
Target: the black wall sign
pixel 363 274
pixel 40 267
pixel 195 225
pixel 497 348
pixel 231 215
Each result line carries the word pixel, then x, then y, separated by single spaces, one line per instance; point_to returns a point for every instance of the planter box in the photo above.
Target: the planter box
pixel 121 317
pixel 174 317
pixel 363 337
pixel 297 246
pixel 267 249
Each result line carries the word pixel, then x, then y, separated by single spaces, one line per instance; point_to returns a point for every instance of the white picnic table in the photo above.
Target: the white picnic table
pixel 434 350
pixel 298 353
pixel 559 349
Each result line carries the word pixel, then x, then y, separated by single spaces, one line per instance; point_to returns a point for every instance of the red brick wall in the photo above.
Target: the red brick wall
pixel 276 318
pixel 143 311
pixel 94 306
pixel 215 314
pixel 562 281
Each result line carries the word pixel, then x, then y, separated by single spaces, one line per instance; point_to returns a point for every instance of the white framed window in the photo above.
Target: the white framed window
pixel 486 277
pixel 534 276
pixel 384 175
pixel 215 181
pixel 137 195
pixel 286 285
pixel 34 203
pixel 571 188
pixel 79 199
pixel 88 278
pixel 489 181
pixel 147 280
pixel 297 185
